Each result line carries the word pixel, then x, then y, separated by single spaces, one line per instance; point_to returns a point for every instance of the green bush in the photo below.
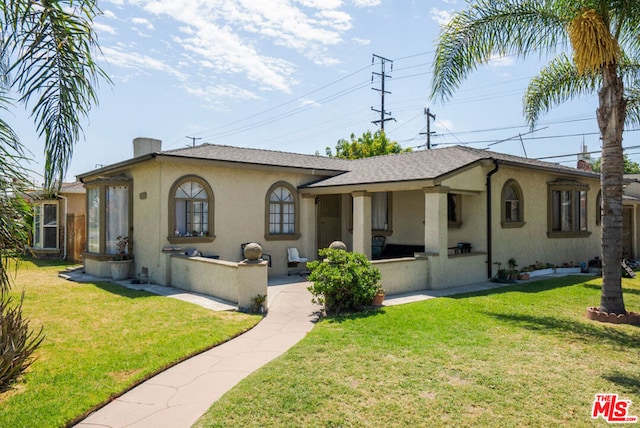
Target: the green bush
pixel 344 281
pixel 17 342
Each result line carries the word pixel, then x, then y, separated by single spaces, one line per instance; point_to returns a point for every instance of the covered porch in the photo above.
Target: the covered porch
pixel 426 237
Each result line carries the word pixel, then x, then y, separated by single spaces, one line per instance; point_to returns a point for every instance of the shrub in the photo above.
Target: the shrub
pixel 17 342
pixel 344 281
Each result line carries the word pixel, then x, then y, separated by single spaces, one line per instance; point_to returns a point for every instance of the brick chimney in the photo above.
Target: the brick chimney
pixel 584 159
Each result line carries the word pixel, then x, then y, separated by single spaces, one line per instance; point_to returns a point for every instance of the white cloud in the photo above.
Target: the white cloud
pixel 444 126
pixel 229 36
pixel 108 14
pixel 361 42
pixel 214 95
pixel 103 28
pixel 442 17
pixel 366 3
pixel 143 22
pixel 123 56
pixel 500 61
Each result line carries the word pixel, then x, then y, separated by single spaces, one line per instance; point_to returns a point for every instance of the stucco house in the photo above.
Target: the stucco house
pixel 448 215
pixel 59 222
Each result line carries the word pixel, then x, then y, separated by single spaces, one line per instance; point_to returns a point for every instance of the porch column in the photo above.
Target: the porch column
pixel 435 220
pixel 362 223
pixel 307 231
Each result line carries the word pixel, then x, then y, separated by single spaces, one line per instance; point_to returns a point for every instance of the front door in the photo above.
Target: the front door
pixel 627 232
pixel 329 220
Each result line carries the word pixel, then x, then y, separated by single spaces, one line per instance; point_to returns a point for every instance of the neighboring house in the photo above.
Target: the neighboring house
pixel 59 223
pixel 631 216
pixel 214 198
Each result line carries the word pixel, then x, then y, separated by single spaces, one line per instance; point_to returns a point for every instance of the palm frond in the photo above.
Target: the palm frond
pixel 501 27
pixel 51 45
pixel 556 83
pixel 633 107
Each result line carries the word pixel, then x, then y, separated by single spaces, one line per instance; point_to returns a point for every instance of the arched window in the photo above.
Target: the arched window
pixel 282 212
pixel 190 210
pixel 512 205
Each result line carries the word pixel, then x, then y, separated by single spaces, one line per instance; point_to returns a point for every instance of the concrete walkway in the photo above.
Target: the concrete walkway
pixel 179 396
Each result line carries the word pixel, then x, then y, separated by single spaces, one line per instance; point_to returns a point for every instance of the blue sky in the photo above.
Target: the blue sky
pixel 295 75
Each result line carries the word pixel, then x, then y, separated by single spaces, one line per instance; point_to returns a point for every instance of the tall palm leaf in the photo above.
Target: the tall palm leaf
pixel 604 41
pixel 46 49
pixel 49 47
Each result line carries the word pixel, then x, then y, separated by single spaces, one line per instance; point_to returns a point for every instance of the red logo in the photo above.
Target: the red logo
pixel 612 409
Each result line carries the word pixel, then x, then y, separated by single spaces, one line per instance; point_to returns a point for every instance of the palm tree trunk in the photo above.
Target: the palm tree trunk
pixel 611 116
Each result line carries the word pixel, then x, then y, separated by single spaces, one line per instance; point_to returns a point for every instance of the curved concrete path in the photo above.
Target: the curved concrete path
pixel 179 396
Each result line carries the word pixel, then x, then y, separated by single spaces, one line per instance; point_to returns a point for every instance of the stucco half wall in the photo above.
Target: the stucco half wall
pixel 239 282
pixel 430 271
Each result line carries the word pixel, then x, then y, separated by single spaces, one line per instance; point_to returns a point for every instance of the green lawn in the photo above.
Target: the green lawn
pixel 100 340
pixel 521 355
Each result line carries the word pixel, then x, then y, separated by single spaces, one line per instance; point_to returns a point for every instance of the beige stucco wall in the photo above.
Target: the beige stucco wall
pixel 403 275
pixel 76 203
pixel 239 213
pixel 408 218
pixel 235 282
pixel 530 243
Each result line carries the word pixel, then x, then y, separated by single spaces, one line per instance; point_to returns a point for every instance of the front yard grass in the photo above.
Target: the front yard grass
pixel 100 340
pixel 522 355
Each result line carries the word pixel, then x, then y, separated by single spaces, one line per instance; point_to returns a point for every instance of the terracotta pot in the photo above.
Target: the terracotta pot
pixel 377 300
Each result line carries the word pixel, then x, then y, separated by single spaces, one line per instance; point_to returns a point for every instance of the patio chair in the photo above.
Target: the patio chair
pixel 294 260
pixel 377 245
pixel 265 256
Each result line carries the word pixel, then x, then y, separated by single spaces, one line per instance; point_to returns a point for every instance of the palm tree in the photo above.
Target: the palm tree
pixel 46 65
pixel 604 40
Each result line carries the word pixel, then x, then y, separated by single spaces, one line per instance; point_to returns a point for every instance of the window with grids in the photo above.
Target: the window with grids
pixel 512 205
pixel 192 209
pixel 567 209
pixel 45 221
pixel 282 212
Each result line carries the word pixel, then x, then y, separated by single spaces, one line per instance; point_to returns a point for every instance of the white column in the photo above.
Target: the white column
pixel 435 220
pixel 362 223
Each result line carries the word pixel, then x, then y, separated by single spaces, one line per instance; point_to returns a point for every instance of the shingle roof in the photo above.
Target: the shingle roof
pixel 260 157
pixel 429 164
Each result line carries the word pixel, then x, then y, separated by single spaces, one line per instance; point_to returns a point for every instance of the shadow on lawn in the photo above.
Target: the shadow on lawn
pixel 122 291
pixel 531 286
pixel 564 327
pixel 625 290
pixel 348 316
pixel 630 383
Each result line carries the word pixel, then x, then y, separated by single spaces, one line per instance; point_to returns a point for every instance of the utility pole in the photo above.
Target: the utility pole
pixel 429 116
pixel 193 139
pixel 383 76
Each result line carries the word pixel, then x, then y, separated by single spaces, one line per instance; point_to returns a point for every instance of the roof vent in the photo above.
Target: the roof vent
pixel 144 146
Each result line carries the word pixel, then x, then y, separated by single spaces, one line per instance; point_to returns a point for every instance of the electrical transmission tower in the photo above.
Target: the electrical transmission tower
pixel 383 75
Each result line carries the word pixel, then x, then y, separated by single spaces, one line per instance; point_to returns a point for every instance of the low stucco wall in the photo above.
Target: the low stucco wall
pixel 454 271
pixel 235 282
pixel 99 268
pixel 403 275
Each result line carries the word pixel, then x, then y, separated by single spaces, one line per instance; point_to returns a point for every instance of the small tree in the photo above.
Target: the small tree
pixel 366 146
pixel 630 167
pixel 344 281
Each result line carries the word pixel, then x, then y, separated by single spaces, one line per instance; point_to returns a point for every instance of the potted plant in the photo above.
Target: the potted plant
pixel 378 298
pixel 513 272
pixel 524 273
pixel 121 264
